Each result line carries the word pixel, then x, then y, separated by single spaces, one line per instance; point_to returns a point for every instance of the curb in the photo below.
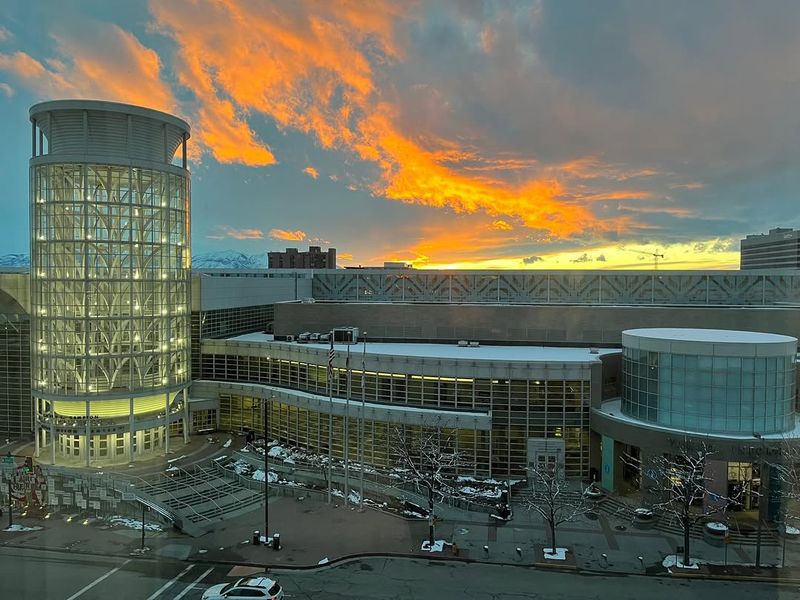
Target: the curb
pixel 724 577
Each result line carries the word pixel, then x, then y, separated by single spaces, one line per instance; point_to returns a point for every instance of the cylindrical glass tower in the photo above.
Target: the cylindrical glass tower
pixel 110 280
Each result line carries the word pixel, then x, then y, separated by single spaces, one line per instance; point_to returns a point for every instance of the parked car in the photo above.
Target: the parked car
pixel 247 587
pixel 304 337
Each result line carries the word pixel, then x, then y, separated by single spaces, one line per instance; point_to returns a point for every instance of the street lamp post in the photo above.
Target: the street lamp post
pixel 760 500
pixel 265 410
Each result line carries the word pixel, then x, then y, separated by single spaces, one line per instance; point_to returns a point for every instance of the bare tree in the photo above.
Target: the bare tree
pixel 787 471
pixel 428 460
pixel 551 497
pixel 678 486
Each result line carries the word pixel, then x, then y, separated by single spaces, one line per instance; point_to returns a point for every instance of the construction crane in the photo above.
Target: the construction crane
pixel 655 256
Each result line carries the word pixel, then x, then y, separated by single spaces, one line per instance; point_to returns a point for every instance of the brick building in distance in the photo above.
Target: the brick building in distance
pixel 292 258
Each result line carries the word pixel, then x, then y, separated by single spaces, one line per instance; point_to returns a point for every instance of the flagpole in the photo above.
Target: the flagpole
pixel 331 354
pixel 347 434
pixel 361 423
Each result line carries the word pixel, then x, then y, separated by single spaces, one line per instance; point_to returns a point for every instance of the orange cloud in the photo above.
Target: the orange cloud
pixel 311 172
pixel 500 224
pixel 239 234
pixel 289 236
pixel 344 256
pixel 125 71
pixel 309 66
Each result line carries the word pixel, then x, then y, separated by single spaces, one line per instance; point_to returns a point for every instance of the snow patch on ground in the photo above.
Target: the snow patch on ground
pixel 18 527
pixel 134 523
pixel 559 554
pixel 437 546
pixel 673 561
pixel 228 443
pixel 324 561
pixel 172 460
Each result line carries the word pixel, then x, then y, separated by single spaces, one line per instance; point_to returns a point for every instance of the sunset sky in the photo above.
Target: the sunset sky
pixel 543 134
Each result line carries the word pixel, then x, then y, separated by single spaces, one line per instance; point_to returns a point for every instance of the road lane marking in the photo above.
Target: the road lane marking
pixel 86 588
pixel 191 585
pixel 170 582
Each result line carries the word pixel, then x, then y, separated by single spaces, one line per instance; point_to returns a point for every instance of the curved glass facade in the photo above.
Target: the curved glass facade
pixel 110 277
pixel 710 394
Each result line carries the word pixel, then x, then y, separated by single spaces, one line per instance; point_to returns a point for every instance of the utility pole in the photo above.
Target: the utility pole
pixel 143 507
pixel 10 511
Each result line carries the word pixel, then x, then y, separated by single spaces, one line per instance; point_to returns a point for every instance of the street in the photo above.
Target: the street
pixel 28 573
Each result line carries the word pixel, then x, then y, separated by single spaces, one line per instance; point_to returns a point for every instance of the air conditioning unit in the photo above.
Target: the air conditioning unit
pixel 463 343
pixel 289 338
pixel 474 344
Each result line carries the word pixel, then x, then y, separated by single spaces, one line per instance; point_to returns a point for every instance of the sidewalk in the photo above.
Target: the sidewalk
pixel 312 531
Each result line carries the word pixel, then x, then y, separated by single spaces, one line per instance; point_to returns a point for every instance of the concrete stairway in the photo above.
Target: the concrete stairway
pixel 199 498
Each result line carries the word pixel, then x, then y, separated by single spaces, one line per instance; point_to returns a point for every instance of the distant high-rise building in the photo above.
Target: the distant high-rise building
pixel 292 258
pixel 778 249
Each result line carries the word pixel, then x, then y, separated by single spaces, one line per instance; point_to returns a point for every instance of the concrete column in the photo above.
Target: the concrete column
pixel 131 431
pixel 608 464
pixel 716 482
pixel 187 422
pixel 166 423
pixel 37 426
pixel 52 433
pixel 88 434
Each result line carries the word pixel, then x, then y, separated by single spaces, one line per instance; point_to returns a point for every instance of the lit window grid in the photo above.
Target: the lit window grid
pixel 308 430
pixel 110 278
pixel 521 409
pixel 15 390
pixel 715 394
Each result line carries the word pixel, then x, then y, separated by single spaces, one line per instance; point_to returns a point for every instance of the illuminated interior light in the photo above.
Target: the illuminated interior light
pixel 164 381
pixel 41 237
pixel 163 311
pixel 136 307
pixel 88 236
pixel 136 338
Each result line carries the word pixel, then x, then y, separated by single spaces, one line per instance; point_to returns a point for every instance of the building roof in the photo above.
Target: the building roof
pixel 454 351
pixel 717 336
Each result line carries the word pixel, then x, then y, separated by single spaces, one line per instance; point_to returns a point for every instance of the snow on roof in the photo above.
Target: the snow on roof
pixel 454 351
pixel 613 410
pixel 710 335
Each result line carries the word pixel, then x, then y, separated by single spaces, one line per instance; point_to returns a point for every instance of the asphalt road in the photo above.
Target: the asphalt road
pixel 28 574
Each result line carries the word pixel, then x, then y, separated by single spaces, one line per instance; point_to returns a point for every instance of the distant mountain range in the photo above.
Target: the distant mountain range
pixel 229 259
pixel 224 259
pixel 15 260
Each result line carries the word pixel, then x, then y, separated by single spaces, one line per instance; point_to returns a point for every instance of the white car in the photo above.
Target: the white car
pixel 247 587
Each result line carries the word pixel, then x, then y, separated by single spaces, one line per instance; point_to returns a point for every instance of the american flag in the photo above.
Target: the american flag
pixel 331 356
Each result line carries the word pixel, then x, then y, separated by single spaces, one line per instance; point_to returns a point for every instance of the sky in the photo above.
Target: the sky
pixel 449 134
